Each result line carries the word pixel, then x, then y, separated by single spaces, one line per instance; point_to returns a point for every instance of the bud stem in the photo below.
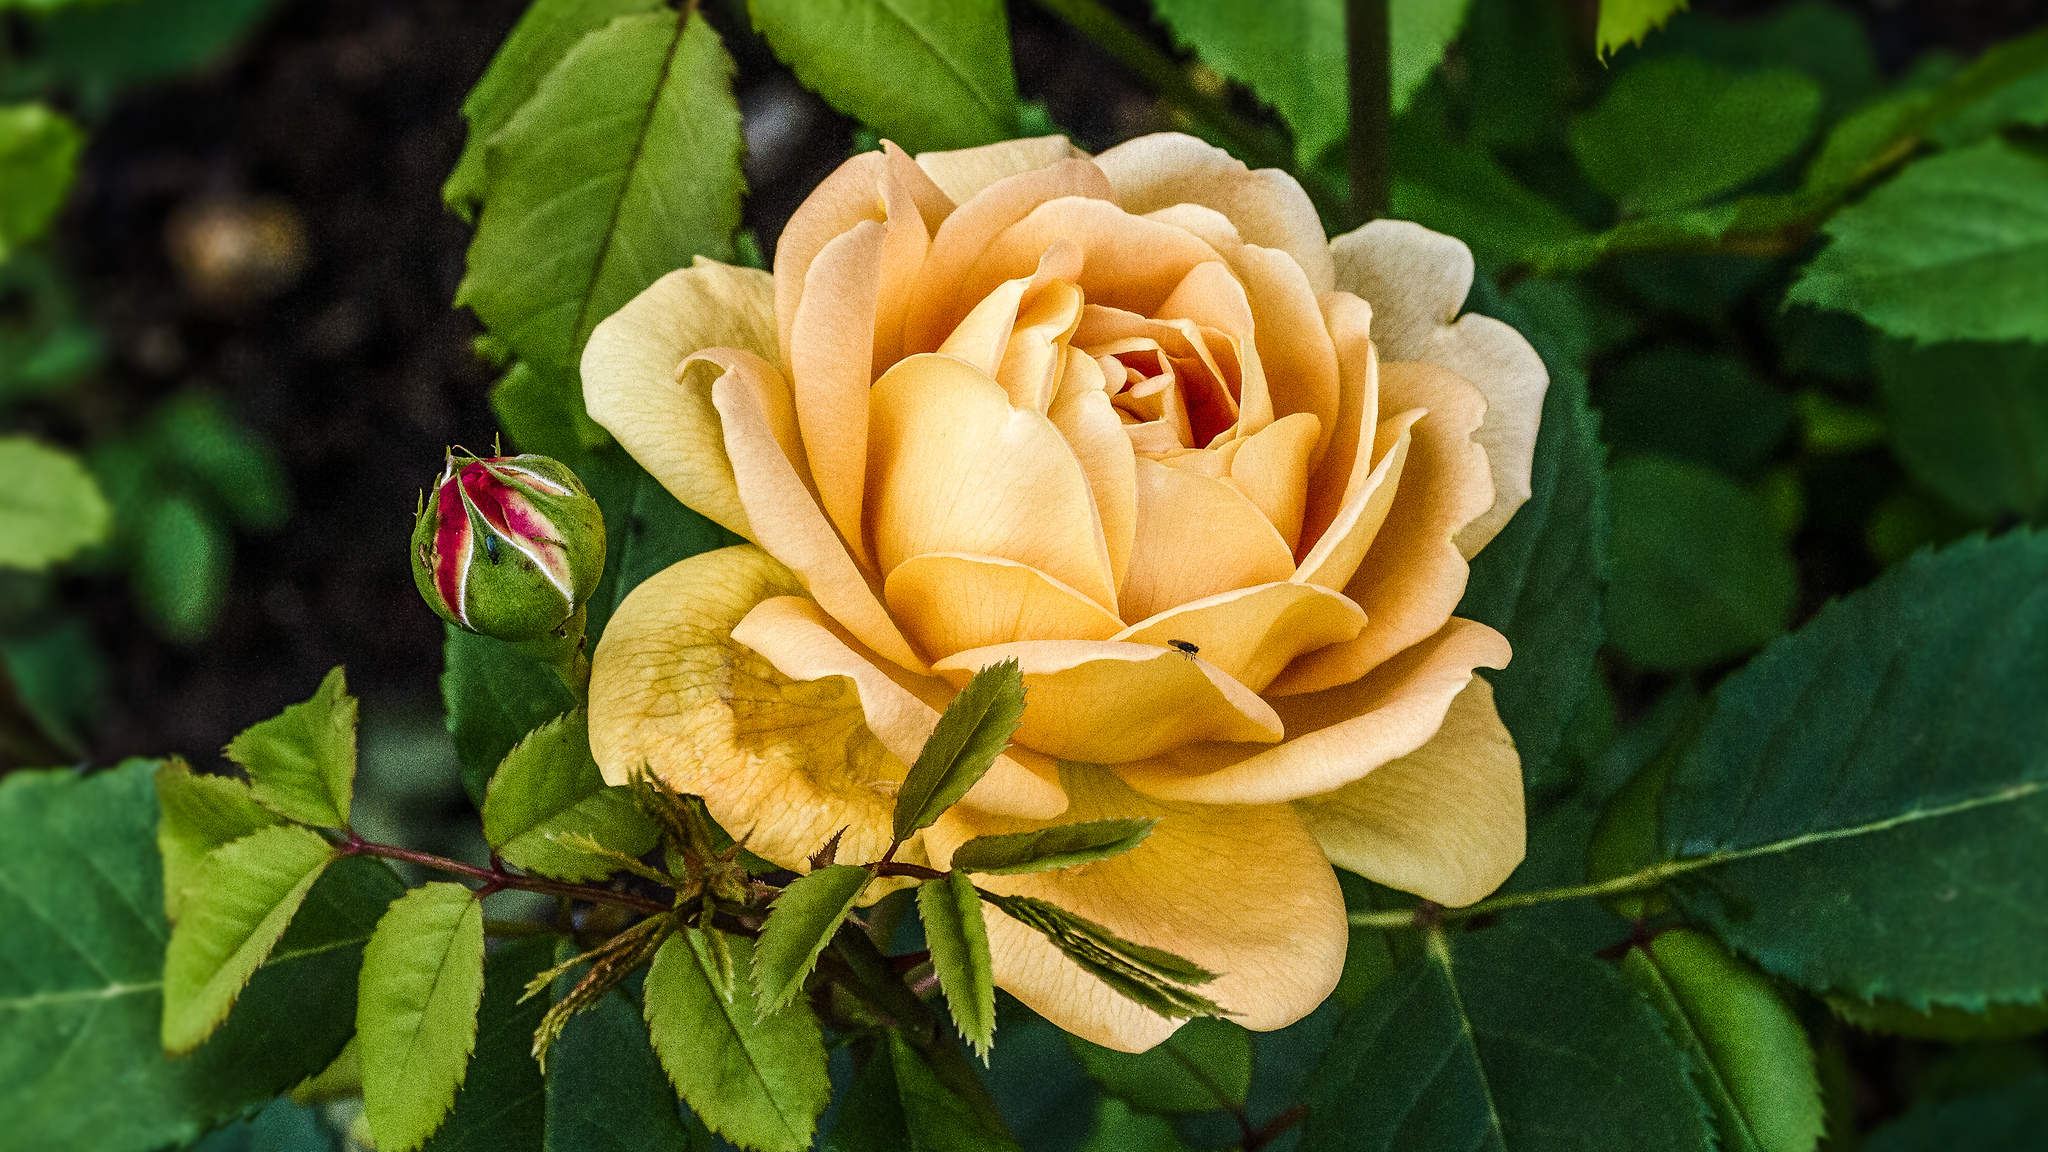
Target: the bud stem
pixel 562 651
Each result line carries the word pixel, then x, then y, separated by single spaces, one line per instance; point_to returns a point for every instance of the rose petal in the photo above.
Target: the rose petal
pixel 633 387
pixel 1348 456
pixel 1242 891
pixel 1037 351
pixel 1444 822
pixel 1104 703
pixel 964 172
pixel 949 602
pixel 1271 469
pixel 1336 736
pixel 802 643
pixel 1252 633
pixel 1196 537
pixel 954 468
pixel 1128 262
pixel 1084 416
pixel 832 340
pixel 1336 557
pixel 1296 357
pixel 1416 280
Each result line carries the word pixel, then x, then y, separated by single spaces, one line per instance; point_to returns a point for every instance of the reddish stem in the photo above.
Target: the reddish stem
pixel 496 879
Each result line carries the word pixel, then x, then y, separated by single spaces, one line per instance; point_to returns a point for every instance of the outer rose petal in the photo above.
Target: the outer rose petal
pixel 1416 280
pixel 632 388
pixel 951 601
pixel 1242 891
pixel 1445 821
pixel 965 171
pixel 781 763
pixel 1336 736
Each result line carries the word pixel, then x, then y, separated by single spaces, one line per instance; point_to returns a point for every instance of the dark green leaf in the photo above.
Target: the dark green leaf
pixel 38 154
pixel 800 923
pixel 232 462
pixel 1747 1052
pixel 416 1011
pixel 646 528
pixel 757 1082
pixel 1971 422
pixel 1464 191
pixel 605 1089
pixel 285 1126
pixel 117 43
pixel 958 938
pixel 1864 812
pixel 495 694
pixel 1676 131
pixel 1820 39
pixel 544 414
pixel 927 74
pixel 974 730
pixel 899 1103
pixel 302 762
pixel 50 508
pixel 1060 846
pixel 1206 1066
pixel 2010 1118
pixel 1700 574
pixel 1118 1129
pixel 1626 22
pixel 622 166
pixel 1502 1040
pixel 547 788
pixel 1149 976
pixel 200 813
pixel 1951 249
pixel 502 1106
pixel 1997 1021
pixel 1706 407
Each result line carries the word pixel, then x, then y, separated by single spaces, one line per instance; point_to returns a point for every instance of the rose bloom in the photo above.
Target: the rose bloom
pixel 1019 403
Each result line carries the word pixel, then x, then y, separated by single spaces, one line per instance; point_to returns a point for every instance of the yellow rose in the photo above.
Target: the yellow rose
pixel 1015 402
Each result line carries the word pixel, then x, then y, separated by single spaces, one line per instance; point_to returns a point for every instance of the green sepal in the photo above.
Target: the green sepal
pixel 1152 977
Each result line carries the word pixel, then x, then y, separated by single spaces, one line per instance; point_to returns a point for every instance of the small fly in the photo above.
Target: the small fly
pixel 1186 649
pixel 491 547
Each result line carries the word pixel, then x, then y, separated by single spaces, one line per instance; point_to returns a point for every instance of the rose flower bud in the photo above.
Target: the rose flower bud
pixel 1130 420
pixel 508 546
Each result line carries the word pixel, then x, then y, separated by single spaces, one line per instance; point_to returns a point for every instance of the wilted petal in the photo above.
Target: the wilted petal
pixel 1445 821
pixel 950 602
pixel 1196 537
pixel 964 172
pixel 1252 633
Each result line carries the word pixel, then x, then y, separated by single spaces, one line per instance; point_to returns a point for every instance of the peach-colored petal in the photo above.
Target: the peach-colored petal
pixel 802 643
pixel 1128 262
pixel 1242 891
pixel 1266 206
pixel 759 425
pixel 1296 357
pixel 1335 736
pixel 1336 557
pixel 1252 633
pixel 832 340
pixel 1037 351
pixel 1414 574
pixel 949 602
pixel 1416 280
pixel 1347 457
pixel 1211 300
pixel 1271 469
pixel 1445 821
pixel 1105 703
pixel 1196 537
pixel 782 763
pixel 1083 414
pixel 633 386
pixel 954 468
pixel 964 172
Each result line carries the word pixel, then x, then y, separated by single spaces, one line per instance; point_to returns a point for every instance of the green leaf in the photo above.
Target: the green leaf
pixel 544 414
pixel 927 74
pixel 974 730
pixel 1418 31
pixel 199 814
pixel 548 787
pixel 757 1082
pixel 958 938
pixel 302 763
pixel 38 155
pixel 1060 846
pixel 647 529
pixel 605 1089
pixel 1699 572
pixel 1970 421
pixel 1950 249
pixel 235 911
pixel 1706 407
pixel 1626 22
pixel 537 43
pixel 180 564
pixel 1997 1021
pixel 1206 1066
pixel 1289 53
pixel 622 166
pixel 1884 766
pixel 416 1010
pixel 231 461
pixel 50 507
pixel 2009 1118
pixel 1118 1129
pixel 495 694
pixel 1502 1040
pixel 81 967
pixel 1152 977
pixel 800 923
pixel 898 1103
pixel 502 1104
pixel 1676 131
pixel 1462 190
pixel 1747 1052
pixel 110 44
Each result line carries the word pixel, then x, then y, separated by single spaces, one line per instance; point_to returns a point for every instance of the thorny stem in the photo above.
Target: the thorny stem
pixel 1369 66
pixel 496 879
pixel 1426 915
pixel 1270 1131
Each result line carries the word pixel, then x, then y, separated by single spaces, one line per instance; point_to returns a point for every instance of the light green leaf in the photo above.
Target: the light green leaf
pixel 302 763
pixel 495 694
pixel 958 938
pixel 179 565
pixel 1699 574
pixel 1289 53
pixel 800 923
pixel 927 74
pixel 538 42
pixel 38 154
pixel 199 814
pixel 1953 248
pixel 757 1082
pixel 416 1010
pixel 1060 846
pixel 1971 422
pixel 2008 1118
pixel 1746 1049
pixel 235 911
pixel 1206 1066
pixel 1676 131
pixel 972 732
pixel 1418 31
pixel 1502 1040
pixel 49 507
pixel 547 789
pixel 622 166
pixel 1887 767
pixel 1626 22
